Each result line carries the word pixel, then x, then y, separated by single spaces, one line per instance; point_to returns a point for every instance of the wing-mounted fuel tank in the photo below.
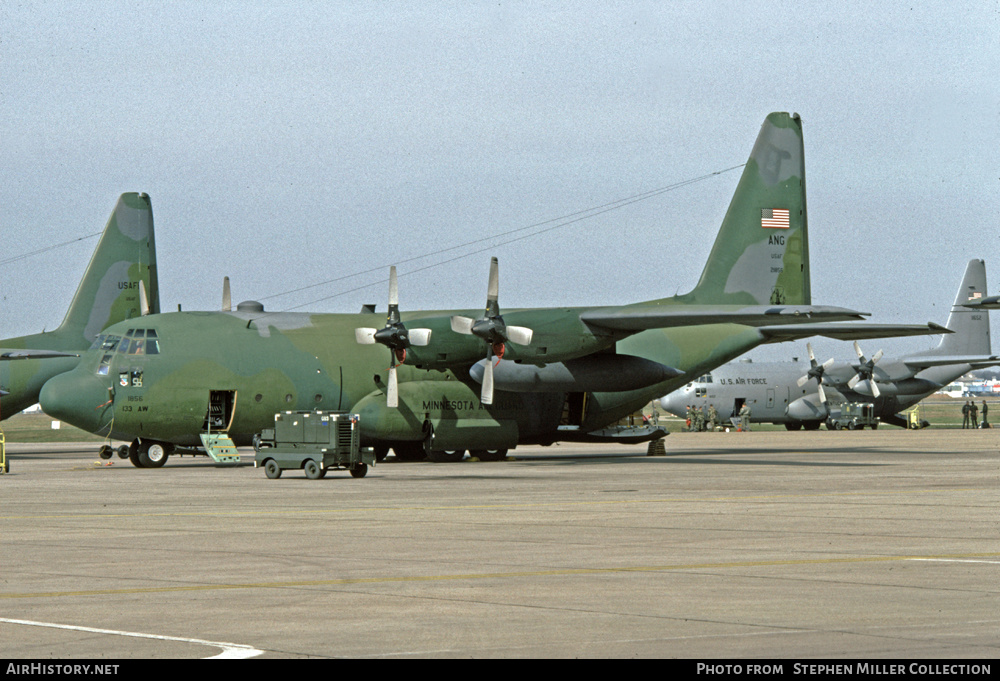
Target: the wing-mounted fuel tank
pixel 451 412
pixel 595 373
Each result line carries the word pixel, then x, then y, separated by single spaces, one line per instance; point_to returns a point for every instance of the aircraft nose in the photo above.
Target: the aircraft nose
pixel 75 399
pixel 671 402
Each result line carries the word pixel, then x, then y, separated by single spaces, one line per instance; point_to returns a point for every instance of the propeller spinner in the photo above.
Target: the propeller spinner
pixel 395 336
pixel 492 329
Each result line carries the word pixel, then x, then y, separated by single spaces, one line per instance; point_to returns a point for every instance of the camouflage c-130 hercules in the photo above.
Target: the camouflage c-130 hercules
pixel 123 264
pixel 453 381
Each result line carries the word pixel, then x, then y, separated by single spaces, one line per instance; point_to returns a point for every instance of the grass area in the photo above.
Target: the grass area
pixel 37 427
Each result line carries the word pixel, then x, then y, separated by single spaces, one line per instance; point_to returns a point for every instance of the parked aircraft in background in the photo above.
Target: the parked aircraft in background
pixel 123 263
pixel 463 380
pixel 801 394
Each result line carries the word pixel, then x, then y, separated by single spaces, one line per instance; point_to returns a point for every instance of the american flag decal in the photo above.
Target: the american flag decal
pixel 774 218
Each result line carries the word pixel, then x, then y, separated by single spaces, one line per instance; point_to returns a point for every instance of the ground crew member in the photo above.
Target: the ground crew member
pixel 713 416
pixel 986 423
pixel 687 423
pixel 745 418
pixel 965 414
pixel 973 415
pixel 699 420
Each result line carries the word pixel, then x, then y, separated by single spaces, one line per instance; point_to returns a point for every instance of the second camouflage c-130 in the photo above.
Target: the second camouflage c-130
pixel 451 381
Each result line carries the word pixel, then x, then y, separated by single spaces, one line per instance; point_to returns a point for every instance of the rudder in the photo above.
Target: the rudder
pixel 971 326
pixel 761 254
pixel 109 290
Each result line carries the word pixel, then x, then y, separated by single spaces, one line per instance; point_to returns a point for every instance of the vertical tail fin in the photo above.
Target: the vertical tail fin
pixel 971 325
pixel 761 255
pixel 109 290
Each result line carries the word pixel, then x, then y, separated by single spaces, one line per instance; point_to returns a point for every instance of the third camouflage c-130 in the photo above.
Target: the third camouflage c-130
pixel 563 373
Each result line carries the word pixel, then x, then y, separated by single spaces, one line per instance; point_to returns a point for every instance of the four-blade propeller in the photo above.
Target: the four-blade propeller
pixel 816 371
pixel 492 329
pixel 395 336
pixel 864 380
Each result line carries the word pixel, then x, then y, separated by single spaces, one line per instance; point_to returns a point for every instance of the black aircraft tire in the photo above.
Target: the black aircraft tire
pixel 153 454
pixel 359 471
pixel 447 455
pixel 793 426
pixel 381 451
pixel 123 452
pixel 105 452
pixel 489 454
pixel 271 469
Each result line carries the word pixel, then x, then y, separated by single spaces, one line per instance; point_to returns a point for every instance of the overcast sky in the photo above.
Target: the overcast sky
pixel 290 143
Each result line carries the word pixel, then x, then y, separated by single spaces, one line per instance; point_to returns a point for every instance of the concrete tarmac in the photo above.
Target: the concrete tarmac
pixel 782 545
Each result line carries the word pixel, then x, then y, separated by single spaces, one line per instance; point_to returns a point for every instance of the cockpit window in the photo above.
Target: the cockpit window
pixel 139 342
pixel 109 343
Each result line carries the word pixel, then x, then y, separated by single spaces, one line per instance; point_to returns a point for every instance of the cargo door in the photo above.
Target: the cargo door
pixel 221 407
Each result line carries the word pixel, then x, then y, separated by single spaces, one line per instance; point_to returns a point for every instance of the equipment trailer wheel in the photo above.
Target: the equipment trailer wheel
pixel 272 469
pixel 313 471
pixel 359 471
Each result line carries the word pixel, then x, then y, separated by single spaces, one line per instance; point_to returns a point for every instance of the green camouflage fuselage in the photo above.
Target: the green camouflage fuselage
pixel 291 361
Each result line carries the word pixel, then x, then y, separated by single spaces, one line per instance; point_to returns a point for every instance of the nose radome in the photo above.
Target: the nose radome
pixel 75 398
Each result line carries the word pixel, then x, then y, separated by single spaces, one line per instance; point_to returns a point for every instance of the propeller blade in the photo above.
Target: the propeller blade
pixel 802 381
pixel 854 381
pixel 487 394
pixel 462 325
pixel 877 357
pixel 393 286
pixel 857 349
pixel 365 336
pixel 420 337
pixel 519 335
pixel 812 357
pixel 875 390
pixel 392 396
pixel 143 300
pixel 822 394
pixel 827 364
pixel 493 291
pixel 227 299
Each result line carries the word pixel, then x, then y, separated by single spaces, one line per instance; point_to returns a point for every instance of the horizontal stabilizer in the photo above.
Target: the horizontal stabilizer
pixel 841 331
pixel 988 303
pixel 34 354
pixel 642 317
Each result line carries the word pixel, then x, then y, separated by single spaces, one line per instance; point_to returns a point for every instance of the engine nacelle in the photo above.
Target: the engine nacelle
pixel 808 408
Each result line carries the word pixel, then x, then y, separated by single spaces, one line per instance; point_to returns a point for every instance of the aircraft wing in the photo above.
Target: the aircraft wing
pixel 976 361
pixel 34 354
pixel 640 318
pixel 841 331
